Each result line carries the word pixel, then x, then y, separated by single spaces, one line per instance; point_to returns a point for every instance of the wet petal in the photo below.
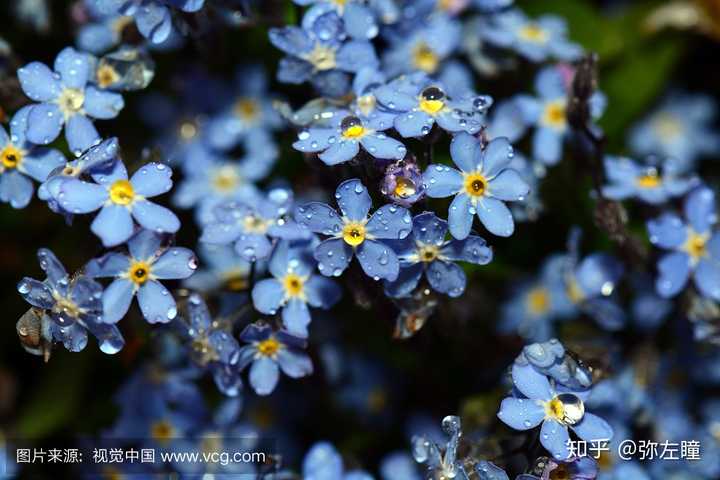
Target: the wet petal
pixel 80 133
pixel 495 216
pixel 593 428
pixel 154 217
pixel 707 278
pixel 508 185
pixel 521 413
pixel 379 145
pixel 44 123
pixel 333 256
pixel 156 302
pixel 322 292
pixel 378 260
pixel 114 225
pixel 102 104
pixel 353 199
pixel 341 151
pixel 319 218
pixel 76 196
pixel 39 82
pixel 264 376
pixel 294 364
pixel 442 181
pixel 673 272
pixel 116 300
pixel 555 438
pixel 73 67
pixel 296 317
pixel 389 222
pixel 531 383
pixel 175 263
pixel 446 277
pixel 465 152
pixel 268 295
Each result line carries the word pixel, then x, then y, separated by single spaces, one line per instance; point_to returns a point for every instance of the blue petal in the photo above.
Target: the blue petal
pixel 144 245
pixel 473 249
pixel 15 189
pixel 221 233
pixel 111 264
pixel 593 429
pixel 268 295
pixel 359 21
pixel 102 104
pixel 316 139
pixel 521 413
pixel 74 67
pixel 495 216
pixel 152 179
pixel 352 56
pixel 76 196
pixel 700 209
pixel 44 123
pixel 116 300
pixel 293 40
pixel 36 293
pixel 547 145
pixel 673 271
pixel 80 133
pixel 446 277
pixel 531 383
pixel 156 302
pixel 322 292
pixel 154 22
pixel 333 256
pixel 429 229
pixel 41 162
pixel 460 216
pixel 667 231
pixel 39 82
pixel 465 152
pixel 113 225
pixel 264 375
pixel 379 145
pixel 253 247
pixel 496 156
pixel 154 217
pixel 707 278
pixel 378 260
pixel 294 364
pixel 442 181
pixel 406 281
pixel 389 222
pixel 353 199
pixel 319 218
pixel 175 263
pixel 508 185
pixel 414 123
pixel 555 438
pixel 322 462
pixel 296 317
pixel 341 151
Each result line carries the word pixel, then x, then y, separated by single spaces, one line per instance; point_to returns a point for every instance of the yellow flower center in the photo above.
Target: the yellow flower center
pixel 425 59
pixel 532 32
pixel 225 179
pixel 649 180
pixel 560 473
pixel 255 224
pixel 667 125
pixel 122 192
pixel 404 187
pixel 428 253
pixel 322 57
pixel 555 409
pixel 119 25
pixel 106 75
pixel 162 431
pixel 247 109
pixel 354 233
pixel 187 130
pixel 538 300
pixel 236 280
pixel 554 114
pixel 475 184
pixel 139 272
pixel 366 103
pixel 294 285
pixel 71 101
pixel 11 156
pixel 352 127
pixel 269 347
pixel 574 292
pixel 66 306
pixel 695 245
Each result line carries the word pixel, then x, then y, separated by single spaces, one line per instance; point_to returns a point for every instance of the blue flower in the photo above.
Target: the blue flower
pixel 319 52
pixel 253 227
pixel 693 244
pixel 212 346
pixel 103 31
pixel 138 274
pixel 358 19
pixel 354 233
pixel 645 182
pixel 323 461
pixel 121 201
pixel 269 352
pixel 21 161
pixel 439 462
pixel 425 48
pixel 294 288
pixel 225 270
pixel 427 251
pixel 341 142
pixel 418 102
pixel 66 99
pixel 73 303
pixel 681 128
pixel 535 40
pixel 556 408
pixel 547 112
pixel 152 17
pixel 480 187
pixel 552 360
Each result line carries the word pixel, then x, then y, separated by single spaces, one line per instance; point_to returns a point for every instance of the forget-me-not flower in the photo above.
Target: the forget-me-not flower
pixel 556 408
pixel 353 233
pixel 21 161
pixel 138 274
pixel 294 287
pixel 427 251
pixel 269 352
pixel 66 98
pixel 121 201
pixel 481 185
pixel 693 244
pixel 358 18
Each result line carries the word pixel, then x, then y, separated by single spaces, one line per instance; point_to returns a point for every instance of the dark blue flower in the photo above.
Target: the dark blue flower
pixel 648 183
pixel 269 352
pixel 73 303
pixel 21 162
pixel 480 187
pixel 138 274
pixel 693 244
pixel 354 233
pixel 66 99
pixel 294 287
pixel 557 408
pixel 252 227
pixel 427 251
pixel 121 201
